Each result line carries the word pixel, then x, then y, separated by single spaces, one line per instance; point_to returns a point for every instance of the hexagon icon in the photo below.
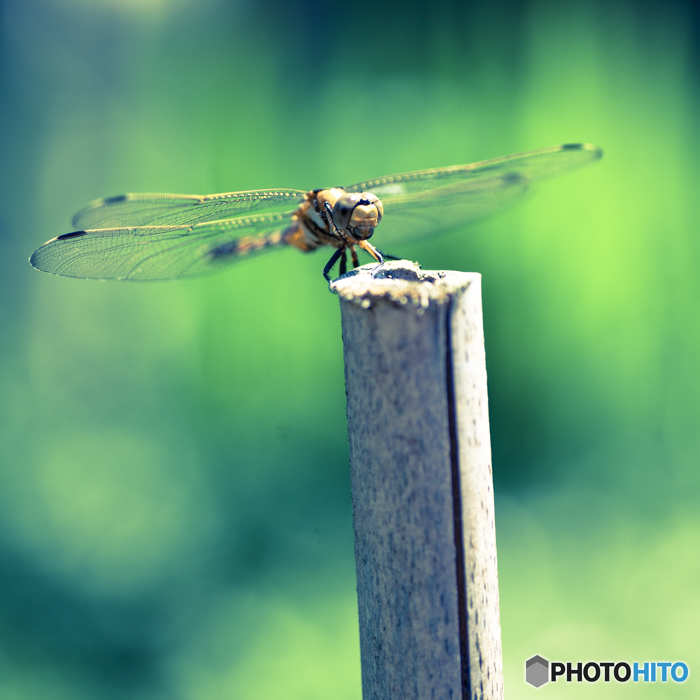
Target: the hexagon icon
pixel 537 671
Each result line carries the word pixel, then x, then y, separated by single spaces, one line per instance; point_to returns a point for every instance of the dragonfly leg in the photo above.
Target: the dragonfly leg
pixel 367 246
pixel 331 262
pixel 386 256
pixel 333 229
pixel 344 262
pixel 355 259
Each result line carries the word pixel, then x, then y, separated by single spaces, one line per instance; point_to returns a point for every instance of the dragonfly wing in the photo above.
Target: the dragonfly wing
pixel 159 252
pixel 447 207
pixel 183 209
pixel 425 202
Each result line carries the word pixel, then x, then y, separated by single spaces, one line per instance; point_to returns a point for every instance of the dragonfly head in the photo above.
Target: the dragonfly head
pixel 358 213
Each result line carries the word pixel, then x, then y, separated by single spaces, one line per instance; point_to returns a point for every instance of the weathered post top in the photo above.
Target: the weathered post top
pixel 395 281
pixel 422 488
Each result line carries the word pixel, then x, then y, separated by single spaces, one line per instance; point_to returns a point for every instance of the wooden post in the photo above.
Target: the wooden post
pixel 422 488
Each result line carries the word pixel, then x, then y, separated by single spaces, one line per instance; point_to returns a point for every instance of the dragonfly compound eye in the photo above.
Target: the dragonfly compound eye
pixel 358 213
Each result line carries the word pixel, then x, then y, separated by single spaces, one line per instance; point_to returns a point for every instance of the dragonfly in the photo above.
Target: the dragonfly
pixel 172 236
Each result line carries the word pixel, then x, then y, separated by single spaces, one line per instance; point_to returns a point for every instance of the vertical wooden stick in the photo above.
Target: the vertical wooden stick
pixel 422 489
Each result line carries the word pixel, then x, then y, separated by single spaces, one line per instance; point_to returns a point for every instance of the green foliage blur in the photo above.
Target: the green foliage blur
pixel 175 517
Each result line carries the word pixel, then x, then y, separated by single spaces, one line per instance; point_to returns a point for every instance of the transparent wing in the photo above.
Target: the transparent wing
pixel 159 252
pixel 425 202
pixel 180 209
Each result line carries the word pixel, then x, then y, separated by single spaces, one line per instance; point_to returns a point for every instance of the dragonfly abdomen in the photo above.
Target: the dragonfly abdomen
pixel 248 245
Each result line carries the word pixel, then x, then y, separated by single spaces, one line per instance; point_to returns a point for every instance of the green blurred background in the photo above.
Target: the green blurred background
pixel 175 519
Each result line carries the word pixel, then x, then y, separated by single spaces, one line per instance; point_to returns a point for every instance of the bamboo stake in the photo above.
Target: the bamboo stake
pixel 422 488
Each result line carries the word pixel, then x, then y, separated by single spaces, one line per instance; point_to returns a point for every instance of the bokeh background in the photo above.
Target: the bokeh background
pixel 175 519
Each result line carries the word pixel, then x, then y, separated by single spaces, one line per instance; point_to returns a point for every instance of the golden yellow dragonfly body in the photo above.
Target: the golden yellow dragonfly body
pixel 169 236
